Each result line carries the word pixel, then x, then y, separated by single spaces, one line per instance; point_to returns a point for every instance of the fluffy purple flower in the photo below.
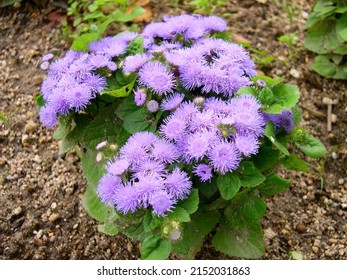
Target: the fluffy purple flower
pixel 127 199
pixel 172 102
pixel 156 76
pixel 245 102
pixel 47 86
pixel 109 46
pixel 148 167
pixel 135 62
pixel 48 116
pixel 246 144
pixel 213 23
pixel 78 97
pixel 108 187
pixel 161 202
pixel 173 128
pixel 164 151
pixel 59 102
pixel 95 83
pixel 178 184
pixel 148 185
pixel 143 139
pixel 198 144
pixel 139 97
pixel 133 152
pixel 99 61
pixel 224 157
pixel 203 171
pixel 152 106
pixel 118 166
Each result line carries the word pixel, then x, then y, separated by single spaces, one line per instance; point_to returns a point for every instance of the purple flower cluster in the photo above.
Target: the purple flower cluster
pixel 139 178
pixel 191 28
pixel 215 134
pixel 213 65
pixel 177 52
pixel 73 80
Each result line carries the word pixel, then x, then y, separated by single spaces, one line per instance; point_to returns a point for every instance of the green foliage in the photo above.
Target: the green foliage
pixel 228 185
pixel 155 248
pixel 273 185
pixel 4 3
pixel 241 234
pixel 206 7
pixel 291 7
pixel 88 15
pixel 327 36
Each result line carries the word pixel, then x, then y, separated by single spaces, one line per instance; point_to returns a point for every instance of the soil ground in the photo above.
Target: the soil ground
pixel 41 215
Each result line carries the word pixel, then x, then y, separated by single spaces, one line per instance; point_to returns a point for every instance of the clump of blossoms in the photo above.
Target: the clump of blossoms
pixel 178 135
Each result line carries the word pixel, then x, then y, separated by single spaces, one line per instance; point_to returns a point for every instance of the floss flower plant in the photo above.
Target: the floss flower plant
pixel 179 137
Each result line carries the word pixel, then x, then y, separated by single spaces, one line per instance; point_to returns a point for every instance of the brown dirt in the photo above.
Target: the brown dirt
pixel 41 215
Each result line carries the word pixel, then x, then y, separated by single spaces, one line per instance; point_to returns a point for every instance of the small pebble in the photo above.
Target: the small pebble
pixel 17 211
pixel 75 226
pixel 37 159
pixel 334 155
pixel 341 181
pixel 30 127
pixel 39 234
pixel 54 217
pixel 315 249
pixel 54 205
pixel 333 118
pixel 300 228
pixel 294 73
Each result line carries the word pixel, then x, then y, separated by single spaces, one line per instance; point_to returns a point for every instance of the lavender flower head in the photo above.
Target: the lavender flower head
pixel 139 176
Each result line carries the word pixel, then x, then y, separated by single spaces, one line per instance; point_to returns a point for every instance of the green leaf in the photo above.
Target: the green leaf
pixel 132 224
pixel 179 214
pixel 312 147
pixel 266 158
pixel 321 37
pixel 40 101
pixel 323 66
pixel 249 175
pixel 155 248
pixel 228 185
pixel 109 226
pixel 191 203
pixel 208 188
pixel 94 207
pixel 119 84
pixel 285 97
pixel 296 115
pixel 81 43
pixel 269 81
pixel 126 108
pixel 270 133
pixel 273 185
pixel 135 46
pixel 241 235
pixel 266 96
pixel 119 16
pixel 247 90
pixel 194 232
pixel 92 170
pixel 137 121
pixel 3 117
pixel 341 27
pixel 151 221
pixel 66 145
pixel 293 162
